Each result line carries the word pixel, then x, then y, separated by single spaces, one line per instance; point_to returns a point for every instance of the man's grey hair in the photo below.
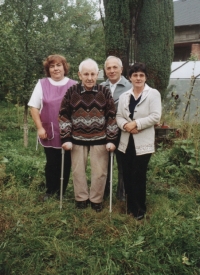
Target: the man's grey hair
pixel 118 60
pixel 88 63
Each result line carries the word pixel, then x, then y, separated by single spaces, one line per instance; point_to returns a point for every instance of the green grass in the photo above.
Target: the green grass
pixel 37 238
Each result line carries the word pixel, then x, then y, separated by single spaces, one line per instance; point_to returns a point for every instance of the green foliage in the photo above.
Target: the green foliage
pixel 12 118
pixel 117 17
pixel 177 164
pixel 33 29
pixel 21 47
pixel 26 167
pixel 155 41
pixel 23 169
pixel 193 57
pixel 186 153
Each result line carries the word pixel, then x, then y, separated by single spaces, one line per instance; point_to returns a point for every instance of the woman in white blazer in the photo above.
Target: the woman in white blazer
pixel 139 110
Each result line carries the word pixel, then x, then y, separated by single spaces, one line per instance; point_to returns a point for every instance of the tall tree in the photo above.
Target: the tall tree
pixel 145 28
pixel 20 49
pixel 85 37
pixel 155 41
pixel 119 22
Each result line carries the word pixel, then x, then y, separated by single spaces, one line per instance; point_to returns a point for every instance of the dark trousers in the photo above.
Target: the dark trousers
pixel 134 173
pixel 120 185
pixel 53 170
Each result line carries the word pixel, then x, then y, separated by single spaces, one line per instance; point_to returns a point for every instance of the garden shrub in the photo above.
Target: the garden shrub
pixel 180 163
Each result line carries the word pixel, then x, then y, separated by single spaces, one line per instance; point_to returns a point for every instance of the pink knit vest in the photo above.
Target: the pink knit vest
pixel 52 97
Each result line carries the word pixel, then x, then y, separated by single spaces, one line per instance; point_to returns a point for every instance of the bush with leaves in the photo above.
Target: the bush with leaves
pixel 178 163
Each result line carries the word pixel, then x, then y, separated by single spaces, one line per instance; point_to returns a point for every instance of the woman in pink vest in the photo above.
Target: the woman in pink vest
pixel 45 104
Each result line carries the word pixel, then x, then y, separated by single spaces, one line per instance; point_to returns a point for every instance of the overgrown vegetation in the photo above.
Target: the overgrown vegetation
pixel 36 238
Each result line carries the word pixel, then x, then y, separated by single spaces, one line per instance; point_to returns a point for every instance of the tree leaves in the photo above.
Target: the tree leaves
pixel 33 29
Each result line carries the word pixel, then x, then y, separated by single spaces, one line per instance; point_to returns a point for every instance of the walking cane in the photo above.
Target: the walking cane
pixel 111 179
pixel 62 178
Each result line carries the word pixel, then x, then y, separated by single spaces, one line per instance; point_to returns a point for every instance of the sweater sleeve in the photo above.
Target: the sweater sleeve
pixel 110 116
pixel 64 118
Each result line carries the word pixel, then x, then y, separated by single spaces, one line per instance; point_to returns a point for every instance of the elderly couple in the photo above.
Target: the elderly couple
pixel 81 119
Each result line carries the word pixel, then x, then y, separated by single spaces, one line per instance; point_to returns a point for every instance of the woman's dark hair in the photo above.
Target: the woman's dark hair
pixel 138 67
pixel 55 58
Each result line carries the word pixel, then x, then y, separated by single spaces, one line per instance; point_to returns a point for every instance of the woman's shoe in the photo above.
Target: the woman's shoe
pixel 138 218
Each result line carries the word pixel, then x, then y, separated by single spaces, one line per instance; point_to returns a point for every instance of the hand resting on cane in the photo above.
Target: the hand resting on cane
pixel 67 146
pixel 110 147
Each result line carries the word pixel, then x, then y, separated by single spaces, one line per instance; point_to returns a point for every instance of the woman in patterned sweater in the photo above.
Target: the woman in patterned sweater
pixel 87 124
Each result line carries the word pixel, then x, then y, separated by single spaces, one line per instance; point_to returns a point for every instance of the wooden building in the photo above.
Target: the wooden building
pixel 187 29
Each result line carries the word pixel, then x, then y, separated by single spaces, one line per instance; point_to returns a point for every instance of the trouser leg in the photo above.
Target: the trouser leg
pixel 139 188
pixel 134 172
pixel 127 160
pixel 120 185
pixel 107 186
pixel 79 156
pixel 53 170
pixel 67 169
pixel 99 164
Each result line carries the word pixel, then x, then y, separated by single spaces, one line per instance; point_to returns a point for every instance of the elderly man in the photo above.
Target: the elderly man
pixel 87 124
pixel 118 84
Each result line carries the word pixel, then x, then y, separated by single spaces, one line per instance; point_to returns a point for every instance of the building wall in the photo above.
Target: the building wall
pixel 195 51
pixel 186 42
pixel 187 34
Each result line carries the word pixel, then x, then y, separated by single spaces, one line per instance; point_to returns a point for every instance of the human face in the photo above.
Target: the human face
pixel 88 76
pixel 138 80
pixel 56 71
pixel 113 70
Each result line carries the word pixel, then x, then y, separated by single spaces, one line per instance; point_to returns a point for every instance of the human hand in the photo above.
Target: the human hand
pixel 110 147
pixel 134 131
pixel 42 133
pixel 67 146
pixel 130 126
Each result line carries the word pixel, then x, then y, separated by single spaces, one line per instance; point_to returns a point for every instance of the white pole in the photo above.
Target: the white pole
pixel 111 179
pixel 62 178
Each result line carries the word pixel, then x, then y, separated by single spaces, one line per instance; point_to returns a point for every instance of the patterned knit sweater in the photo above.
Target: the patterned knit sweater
pixel 88 117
